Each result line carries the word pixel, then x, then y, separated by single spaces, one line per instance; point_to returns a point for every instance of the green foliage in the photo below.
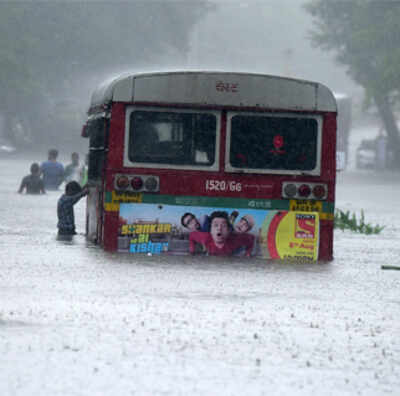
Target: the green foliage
pixel 56 50
pixel 364 34
pixel 347 221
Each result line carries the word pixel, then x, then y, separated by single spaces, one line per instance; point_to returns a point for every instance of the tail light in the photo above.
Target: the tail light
pixel 151 183
pixel 304 190
pixel 319 191
pixel 122 182
pixel 290 190
pixel 137 183
pixel 293 190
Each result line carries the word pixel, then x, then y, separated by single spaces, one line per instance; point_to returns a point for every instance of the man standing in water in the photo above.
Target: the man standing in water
pixel 52 171
pixel 33 183
pixel 73 170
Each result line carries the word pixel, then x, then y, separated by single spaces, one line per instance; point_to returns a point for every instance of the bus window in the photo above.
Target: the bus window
pixel 272 143
pixel 173 138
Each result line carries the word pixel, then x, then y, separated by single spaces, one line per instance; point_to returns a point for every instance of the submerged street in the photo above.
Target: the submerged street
pixel 75 320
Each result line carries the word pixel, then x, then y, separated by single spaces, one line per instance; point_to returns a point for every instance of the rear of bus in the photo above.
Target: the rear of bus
pixel 255 150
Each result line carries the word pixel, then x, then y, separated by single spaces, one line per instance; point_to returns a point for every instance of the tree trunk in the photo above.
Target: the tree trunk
pixel 386 113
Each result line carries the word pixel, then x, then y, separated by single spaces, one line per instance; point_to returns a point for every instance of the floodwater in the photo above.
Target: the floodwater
pixel 75 320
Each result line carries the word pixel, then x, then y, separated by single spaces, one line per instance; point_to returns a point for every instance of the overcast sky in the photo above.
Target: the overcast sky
pixel 267 36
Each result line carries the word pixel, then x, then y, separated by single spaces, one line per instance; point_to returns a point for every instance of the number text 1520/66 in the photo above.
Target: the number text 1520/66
pixel 223 185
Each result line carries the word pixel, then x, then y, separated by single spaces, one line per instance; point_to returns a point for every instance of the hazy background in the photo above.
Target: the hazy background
pixel 267 37
pixel 53 54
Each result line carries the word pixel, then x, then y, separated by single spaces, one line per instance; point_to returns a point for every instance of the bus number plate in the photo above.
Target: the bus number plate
pixel 223 185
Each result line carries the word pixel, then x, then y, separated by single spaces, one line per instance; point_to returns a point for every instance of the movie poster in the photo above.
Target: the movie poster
pixel 182 230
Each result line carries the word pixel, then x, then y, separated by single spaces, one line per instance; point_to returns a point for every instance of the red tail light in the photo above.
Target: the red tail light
pixel 137 183
pixel 304 190
pixel 319 191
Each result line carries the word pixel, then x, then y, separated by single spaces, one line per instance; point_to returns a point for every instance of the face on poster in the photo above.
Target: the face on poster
pixel 180 230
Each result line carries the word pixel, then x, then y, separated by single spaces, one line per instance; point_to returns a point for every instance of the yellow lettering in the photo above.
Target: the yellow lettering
pixel 153 228
pixel 143 238
pixel 167 227
pixel 127 229
pixel 146 229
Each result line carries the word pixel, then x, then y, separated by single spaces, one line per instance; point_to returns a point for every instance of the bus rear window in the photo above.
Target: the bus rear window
pixel 172 138
pixel 273 143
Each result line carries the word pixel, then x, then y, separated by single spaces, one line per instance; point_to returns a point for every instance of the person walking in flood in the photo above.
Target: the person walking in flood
pixel 52 171
pixel 65 208
pixel 33 183
pixel 74 169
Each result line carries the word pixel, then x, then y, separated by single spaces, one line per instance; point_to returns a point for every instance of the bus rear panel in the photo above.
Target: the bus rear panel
pixel 228 164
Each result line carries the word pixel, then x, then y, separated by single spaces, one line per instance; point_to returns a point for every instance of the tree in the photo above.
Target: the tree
pixel 56 52
pixel 365 34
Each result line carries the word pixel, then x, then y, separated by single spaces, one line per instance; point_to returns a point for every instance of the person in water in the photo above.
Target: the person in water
pixel 65 207
pixel 33 183
pixel 52 171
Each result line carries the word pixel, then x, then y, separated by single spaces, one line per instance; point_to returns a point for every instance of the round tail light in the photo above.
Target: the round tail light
pixel 290 190
pixel 137 183
pixel 304 190
pixel 150 184
pixel 122 182
pixel 319 191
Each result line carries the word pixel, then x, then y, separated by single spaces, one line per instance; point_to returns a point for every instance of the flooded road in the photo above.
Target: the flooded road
pixel 75 320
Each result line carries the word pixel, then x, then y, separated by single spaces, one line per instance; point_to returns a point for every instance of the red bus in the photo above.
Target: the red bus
pixel 214 163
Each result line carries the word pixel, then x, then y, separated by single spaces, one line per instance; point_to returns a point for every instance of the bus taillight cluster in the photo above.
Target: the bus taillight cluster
pixel 304 190
pixel 137 183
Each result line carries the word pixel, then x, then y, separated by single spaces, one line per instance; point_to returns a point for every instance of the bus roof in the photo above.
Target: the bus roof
pixel 216 88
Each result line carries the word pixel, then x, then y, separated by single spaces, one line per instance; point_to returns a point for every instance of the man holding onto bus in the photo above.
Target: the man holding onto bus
pixel 65 208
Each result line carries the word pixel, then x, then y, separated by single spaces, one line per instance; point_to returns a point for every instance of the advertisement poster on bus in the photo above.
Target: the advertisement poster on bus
pixel 182 230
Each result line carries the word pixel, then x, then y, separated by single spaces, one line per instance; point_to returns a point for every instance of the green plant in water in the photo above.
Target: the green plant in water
pixel 348 221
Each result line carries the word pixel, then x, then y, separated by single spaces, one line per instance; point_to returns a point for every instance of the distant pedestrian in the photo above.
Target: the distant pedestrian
pixel 33 183
pixel 52 171
pixel 74 169
pixel 65 208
